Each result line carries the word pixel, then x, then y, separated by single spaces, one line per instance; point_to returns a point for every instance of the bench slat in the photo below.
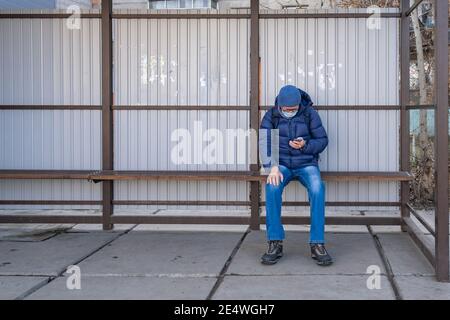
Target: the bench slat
pixel 45 174
pixel 111 175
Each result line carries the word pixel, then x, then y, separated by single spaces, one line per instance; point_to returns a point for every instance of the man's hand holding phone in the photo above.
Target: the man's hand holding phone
pixel 297 143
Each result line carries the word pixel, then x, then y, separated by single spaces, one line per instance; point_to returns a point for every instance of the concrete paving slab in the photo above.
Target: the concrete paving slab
pixel 331 229
pixel 31 232
pixel 404 256
pixel 377 212
pixel 99 227
pixel 307 287
pixel 386 229
pixel 422 288
pixel 204 212
pixel 292 211
pixel 353 254
pixel 191 227
pixel 51 256
pixel 14 287
pixel 346 229
pixel 127 288
pixel 123 211
pixel 156 253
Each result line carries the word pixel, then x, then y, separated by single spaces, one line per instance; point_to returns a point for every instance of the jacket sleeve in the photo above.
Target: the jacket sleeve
pixel 268 157
pixel 319 138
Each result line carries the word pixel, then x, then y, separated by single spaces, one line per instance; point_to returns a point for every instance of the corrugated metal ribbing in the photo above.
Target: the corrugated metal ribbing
pixel 178 62
pixel 45 63
pixel 181 61
pixel 341 62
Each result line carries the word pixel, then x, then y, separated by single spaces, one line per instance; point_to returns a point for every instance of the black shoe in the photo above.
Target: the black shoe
pixel 274 252
pixel 320 254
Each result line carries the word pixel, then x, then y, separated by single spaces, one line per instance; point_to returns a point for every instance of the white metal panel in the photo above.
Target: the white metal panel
pixel 178 62
pixel 44 62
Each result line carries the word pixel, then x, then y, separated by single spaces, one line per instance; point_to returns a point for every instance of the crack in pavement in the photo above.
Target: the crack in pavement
pixel 61 272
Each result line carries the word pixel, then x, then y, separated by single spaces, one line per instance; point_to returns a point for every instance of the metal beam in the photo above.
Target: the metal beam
pixel 248 16
pixel 343 15
pixel 441 146
pixel 50 107
pixel 247 203
pixel 348 107
pixel 421 220
pixel 49 219
pixel 181 203
pixel 255 187
pixel 404 102
pixel 47 15
pixel 179 107
pixel 195 203
pixel 107 114
pixel 194 219
pixel 51 202
pixel 207 107
pixel 180 16
pixel 424 243
pixel 341 204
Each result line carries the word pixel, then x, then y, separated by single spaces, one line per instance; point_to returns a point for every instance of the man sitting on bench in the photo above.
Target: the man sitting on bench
pixel 301 139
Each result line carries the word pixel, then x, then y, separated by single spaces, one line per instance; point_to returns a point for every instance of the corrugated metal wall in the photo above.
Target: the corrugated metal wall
pixel 178 62
pixel 191 62
pixel 43 62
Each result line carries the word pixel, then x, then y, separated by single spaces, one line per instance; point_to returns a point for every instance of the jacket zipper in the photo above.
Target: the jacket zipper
pixel 290 151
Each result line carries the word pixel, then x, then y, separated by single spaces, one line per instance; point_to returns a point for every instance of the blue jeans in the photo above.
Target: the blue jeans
pixel 310 178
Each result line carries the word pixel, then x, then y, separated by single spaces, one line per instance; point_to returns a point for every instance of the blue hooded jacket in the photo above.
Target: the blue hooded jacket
pixel 306 124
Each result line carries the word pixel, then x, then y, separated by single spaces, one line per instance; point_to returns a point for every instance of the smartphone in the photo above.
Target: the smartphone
pixel 299 139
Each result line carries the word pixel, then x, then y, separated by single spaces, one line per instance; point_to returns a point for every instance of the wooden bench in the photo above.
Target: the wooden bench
pixel 45 174
pixel 253 220
pixel 112 175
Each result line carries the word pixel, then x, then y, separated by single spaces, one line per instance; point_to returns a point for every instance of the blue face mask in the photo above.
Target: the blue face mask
pixel 289 114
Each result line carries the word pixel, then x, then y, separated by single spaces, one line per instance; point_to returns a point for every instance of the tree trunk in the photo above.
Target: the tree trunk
pixel 424 153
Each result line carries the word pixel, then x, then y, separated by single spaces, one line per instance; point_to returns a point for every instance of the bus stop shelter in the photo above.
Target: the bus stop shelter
pixel 106 26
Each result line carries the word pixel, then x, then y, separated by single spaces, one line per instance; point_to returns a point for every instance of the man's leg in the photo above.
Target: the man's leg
pixel 275 230
pixel 311 179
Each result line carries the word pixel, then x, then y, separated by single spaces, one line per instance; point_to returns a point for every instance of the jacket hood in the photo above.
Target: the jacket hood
pixel 292 96
pixel 304 98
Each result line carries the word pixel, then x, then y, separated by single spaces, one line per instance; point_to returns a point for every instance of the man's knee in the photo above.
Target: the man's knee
pixel 317 187
pixel 273 189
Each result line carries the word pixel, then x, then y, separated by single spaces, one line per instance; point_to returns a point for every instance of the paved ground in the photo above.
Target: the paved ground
pixel 168 262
